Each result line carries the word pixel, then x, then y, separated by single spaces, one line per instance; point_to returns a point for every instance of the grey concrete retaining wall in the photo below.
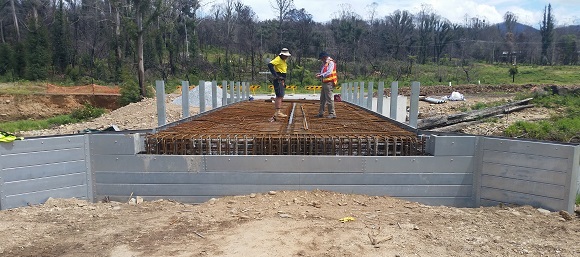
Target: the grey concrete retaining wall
pixel 33 170
pixel 463 171
pixel 528 173
pixel 434 180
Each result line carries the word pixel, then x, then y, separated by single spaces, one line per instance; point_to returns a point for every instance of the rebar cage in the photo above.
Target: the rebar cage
pixel 244 129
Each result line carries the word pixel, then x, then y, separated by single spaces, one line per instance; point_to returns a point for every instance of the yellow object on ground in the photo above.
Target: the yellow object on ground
pixel 346 219
pixel 6 137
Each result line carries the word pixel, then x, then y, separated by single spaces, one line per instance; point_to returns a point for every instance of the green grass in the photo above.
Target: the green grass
pixel 578 199
pixel 25 125
pixel 480 73
pixel 79 115
pixel 499 74
pixel 564 127
pixel 22 88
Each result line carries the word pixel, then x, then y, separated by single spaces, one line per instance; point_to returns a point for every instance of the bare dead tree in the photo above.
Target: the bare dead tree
pixel 282 7
pixel 15 19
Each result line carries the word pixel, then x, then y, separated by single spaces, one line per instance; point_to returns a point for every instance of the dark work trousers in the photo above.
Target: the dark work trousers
pixel 280 85
pixel 327 98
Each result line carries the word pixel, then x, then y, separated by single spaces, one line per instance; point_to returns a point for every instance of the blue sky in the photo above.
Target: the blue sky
pixel 566 12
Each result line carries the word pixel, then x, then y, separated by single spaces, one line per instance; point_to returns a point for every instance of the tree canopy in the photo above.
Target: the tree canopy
pixel 115 40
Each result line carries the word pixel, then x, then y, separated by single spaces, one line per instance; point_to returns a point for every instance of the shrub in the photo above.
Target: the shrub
pixel 88 112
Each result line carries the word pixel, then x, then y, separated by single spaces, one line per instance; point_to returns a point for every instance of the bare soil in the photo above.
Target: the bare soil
pixel 284 223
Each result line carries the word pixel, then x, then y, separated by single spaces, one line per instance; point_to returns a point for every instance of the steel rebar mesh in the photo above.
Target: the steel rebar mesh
pixel 244 129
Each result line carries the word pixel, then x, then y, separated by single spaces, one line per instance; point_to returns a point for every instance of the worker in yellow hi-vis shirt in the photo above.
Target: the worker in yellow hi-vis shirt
pixel 278 69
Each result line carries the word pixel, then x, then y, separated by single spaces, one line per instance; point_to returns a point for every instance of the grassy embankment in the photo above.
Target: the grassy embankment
pixel 86 113
pixel 563 127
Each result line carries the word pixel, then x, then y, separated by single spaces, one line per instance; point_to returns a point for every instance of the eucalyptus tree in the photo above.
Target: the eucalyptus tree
pixel 472 37
pixel 442 36
pixel 116 41
pixel 229 22
pixel 94 36
pixel 37 43
pixel 347 30
pixel 15 18
pixel 282 8
pixel 399 36
pixel 470 44
pixel 60 39
pixel 145 12
pixel 225 19
pixel 247 39
pixel 425 24
pixel 510 21
pixel 189 20
pixel 300 41
pixel 300 36
pixel 373 40
pixel 8 16
pixel 164 40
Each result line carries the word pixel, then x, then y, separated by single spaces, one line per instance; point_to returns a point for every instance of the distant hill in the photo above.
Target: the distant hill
pixel 518 29
pixel 522 28
pixel 573 29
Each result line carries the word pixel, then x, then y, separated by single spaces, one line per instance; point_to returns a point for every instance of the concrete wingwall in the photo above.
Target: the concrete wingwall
pixel 540 174
pixel 461 171
pixel 35 169
pixel 434 180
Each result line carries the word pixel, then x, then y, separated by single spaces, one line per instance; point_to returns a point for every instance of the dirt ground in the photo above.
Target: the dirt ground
pixel 286 223
pixel 283 223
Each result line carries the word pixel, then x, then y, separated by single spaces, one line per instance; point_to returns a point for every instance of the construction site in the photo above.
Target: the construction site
pixel 233 150
pixel 363 143
pixel 242 130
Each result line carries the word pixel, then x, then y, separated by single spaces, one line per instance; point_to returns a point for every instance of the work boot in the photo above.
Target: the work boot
pixel 332 116
pixel 279 114
pixel 320 115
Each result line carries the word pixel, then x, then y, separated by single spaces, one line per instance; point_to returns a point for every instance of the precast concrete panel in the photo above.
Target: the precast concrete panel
pixel 158 176
pixel 420 164
pixel 148 163
pixel 120 144
pixel 34 169
pixel 39 197
pixel 224 178
pixel 530 147
pixel 541 174
pixel 278 163
pixel 42 144
pixel 451 145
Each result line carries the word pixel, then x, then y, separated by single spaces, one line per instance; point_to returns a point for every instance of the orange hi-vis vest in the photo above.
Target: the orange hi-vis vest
pixel 333 77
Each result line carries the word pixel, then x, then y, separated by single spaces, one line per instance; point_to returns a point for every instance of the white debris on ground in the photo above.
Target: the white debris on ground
pixel 455 96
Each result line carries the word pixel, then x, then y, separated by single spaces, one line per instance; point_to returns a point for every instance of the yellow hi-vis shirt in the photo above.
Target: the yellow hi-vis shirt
pixel 6 137
pixel 279 65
